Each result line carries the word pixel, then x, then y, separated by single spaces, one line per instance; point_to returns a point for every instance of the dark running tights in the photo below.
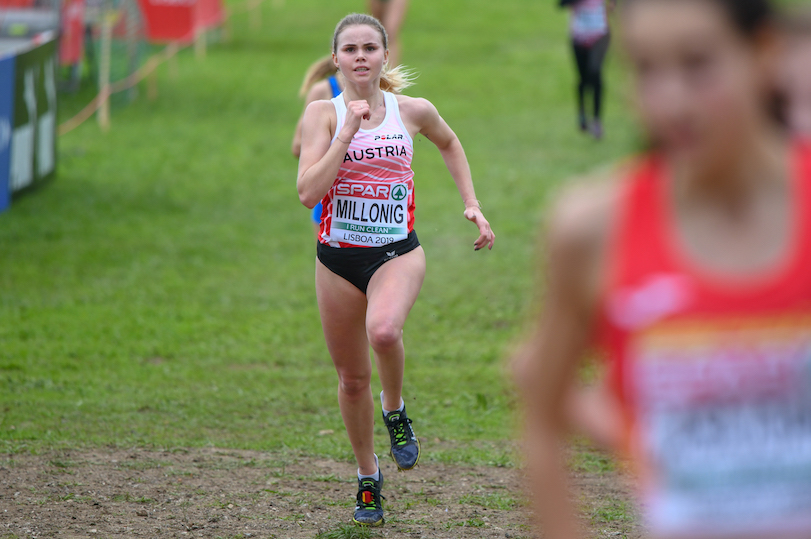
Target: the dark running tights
pixel 590 60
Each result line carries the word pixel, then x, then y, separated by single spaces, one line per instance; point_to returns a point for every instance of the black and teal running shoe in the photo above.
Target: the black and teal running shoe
pixel 405 446
pixel 369 510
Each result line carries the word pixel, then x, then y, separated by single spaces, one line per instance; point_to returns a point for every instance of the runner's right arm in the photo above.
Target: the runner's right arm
pixel 321 160
pixel 319 91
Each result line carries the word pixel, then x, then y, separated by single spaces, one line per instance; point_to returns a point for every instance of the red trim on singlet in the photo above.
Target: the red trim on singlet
pixel 645 249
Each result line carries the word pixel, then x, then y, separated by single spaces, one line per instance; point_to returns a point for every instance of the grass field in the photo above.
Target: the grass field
pixel 159 293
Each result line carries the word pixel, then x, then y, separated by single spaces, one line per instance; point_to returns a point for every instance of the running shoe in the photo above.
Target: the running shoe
pixel 405 447
pixel 597 130
pixel 369 510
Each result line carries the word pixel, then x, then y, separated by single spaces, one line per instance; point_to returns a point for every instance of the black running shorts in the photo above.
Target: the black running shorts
pixel 358 264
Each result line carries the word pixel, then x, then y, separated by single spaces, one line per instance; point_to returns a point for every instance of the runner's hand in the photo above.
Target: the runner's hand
pixel 486 236
pixel 356 111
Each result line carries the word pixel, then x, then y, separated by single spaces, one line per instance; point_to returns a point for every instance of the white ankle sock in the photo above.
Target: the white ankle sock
pixel 387 412
pixel 376 475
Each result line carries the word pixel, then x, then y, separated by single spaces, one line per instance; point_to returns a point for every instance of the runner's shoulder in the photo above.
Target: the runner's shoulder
pixel 583 215
pixel 321 106
pixel 321 111
pixel 320 91
pixel 416 108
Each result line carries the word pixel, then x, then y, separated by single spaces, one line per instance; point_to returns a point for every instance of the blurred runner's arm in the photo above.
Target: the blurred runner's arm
pixel 545 366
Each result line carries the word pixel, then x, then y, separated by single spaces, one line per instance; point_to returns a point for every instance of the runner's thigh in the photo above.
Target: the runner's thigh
pixel 394 289
pixel 343 318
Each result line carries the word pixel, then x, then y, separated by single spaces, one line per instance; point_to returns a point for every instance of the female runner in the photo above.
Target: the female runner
pixel 590 39
pixel 356 159
pixel 392 14
pixel 320 82
pixel 691 275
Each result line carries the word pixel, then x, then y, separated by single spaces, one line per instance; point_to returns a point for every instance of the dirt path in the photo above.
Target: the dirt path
pixel 238 494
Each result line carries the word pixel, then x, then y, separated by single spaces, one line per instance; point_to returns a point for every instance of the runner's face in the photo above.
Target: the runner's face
pixel 360 55
pixel 700 85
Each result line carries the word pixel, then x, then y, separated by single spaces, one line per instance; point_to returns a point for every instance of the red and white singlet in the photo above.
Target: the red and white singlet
pixel 713 373
pixel 371 203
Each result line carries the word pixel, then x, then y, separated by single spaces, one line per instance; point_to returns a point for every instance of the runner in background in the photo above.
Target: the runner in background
pixel 797 71
pixel 320 82
pixel 356 160
pixel 392 14
pixel 590 36
pixel 690 274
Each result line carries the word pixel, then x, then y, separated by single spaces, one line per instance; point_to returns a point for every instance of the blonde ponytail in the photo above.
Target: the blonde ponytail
pixel 397 79
pixel 319 71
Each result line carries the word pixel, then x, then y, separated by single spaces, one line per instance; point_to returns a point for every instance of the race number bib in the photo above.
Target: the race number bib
pixel 725 423
pixel 369 214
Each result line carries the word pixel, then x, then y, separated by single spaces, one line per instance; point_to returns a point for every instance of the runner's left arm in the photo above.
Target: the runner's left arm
pixel 435 129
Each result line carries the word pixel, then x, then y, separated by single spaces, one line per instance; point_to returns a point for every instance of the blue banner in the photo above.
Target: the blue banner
pixel 6 124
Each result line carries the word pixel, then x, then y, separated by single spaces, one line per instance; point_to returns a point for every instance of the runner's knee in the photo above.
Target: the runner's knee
pixel 384 335
pixel 354 384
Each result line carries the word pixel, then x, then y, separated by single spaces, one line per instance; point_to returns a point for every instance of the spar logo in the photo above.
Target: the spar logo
pixel 364 190
pixel 399 192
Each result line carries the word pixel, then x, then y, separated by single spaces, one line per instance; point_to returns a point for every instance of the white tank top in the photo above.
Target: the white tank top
pixel 371 202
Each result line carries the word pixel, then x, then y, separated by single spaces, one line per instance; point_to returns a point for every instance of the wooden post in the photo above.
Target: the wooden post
pixel 132 48
pixel 152 85
pixel 104 70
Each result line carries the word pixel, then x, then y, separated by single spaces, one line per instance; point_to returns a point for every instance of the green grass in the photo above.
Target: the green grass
pixel 613 511
pixel 329 478
pixel 159 292
pixel 348 531
pixel 474 522
pixel 585 459
pixel 501 502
